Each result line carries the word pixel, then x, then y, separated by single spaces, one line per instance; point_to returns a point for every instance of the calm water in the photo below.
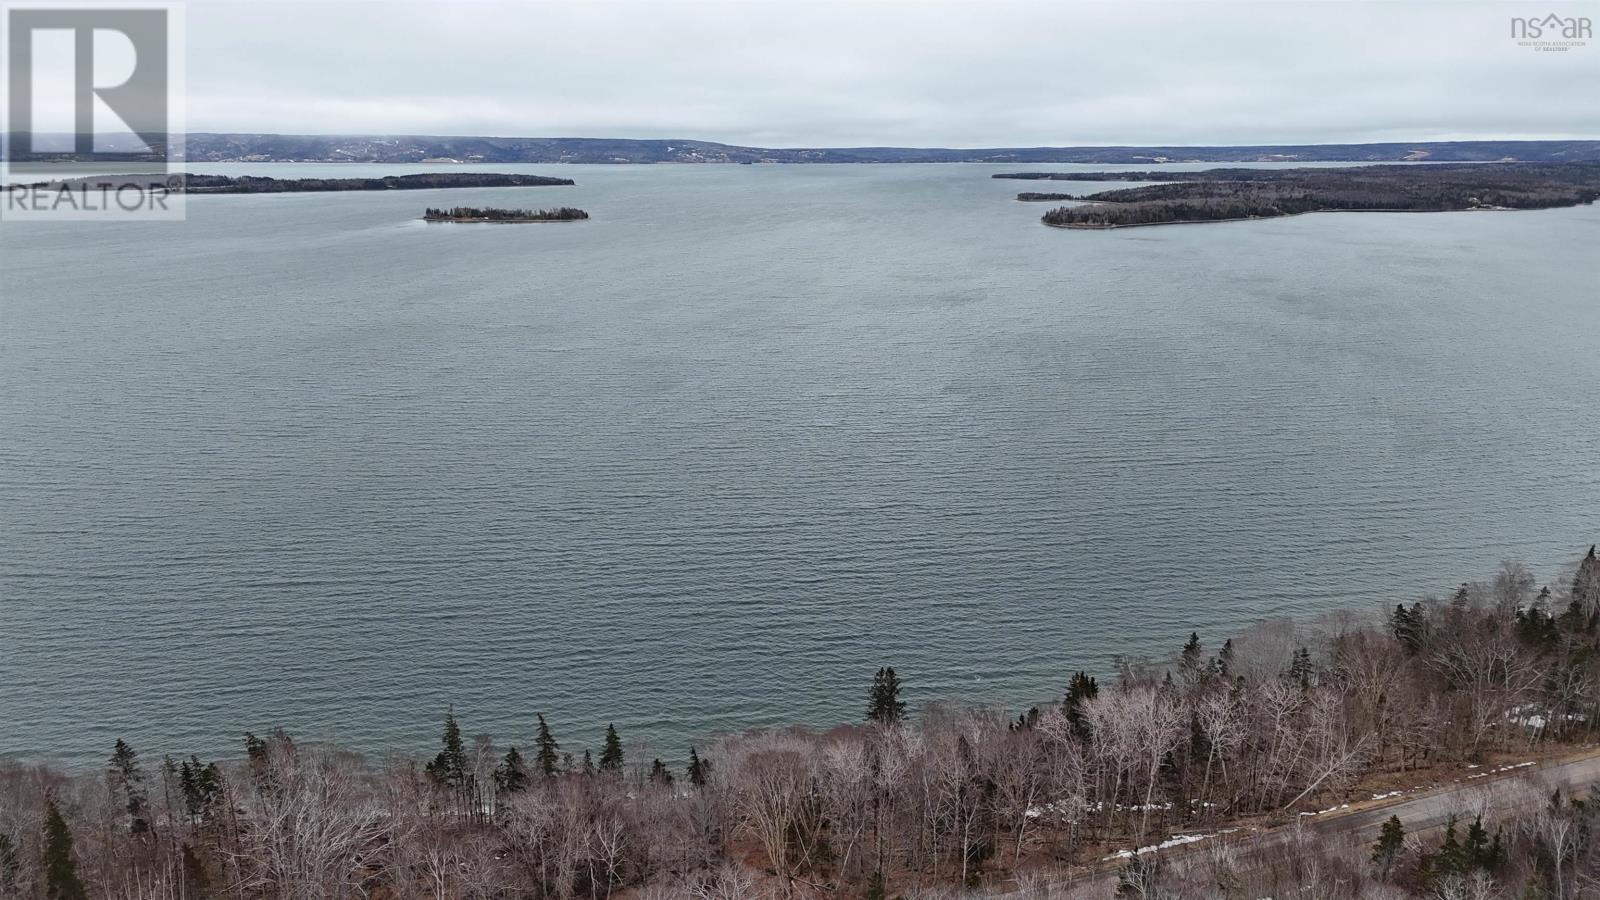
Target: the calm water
pixel 706 461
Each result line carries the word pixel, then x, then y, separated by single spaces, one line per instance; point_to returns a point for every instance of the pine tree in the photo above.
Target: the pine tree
pixel 450 766
pixel 875 887
pixel 60 870
pixel 884 705
pixel 698 769
pixel 1391 840
pixel 511 776
pixel 126 777
pixel 588 762
pixel 611 753
pixel 546 757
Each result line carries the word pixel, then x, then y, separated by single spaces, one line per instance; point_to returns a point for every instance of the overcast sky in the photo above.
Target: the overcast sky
pixel 781 73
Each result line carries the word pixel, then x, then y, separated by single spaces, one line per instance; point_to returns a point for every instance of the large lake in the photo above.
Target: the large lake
pixel 708 460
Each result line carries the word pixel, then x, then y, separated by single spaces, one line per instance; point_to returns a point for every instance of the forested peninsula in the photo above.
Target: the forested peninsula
pixel 257 184
pixel 494 214
pixel 1216 195
pixel 1300 759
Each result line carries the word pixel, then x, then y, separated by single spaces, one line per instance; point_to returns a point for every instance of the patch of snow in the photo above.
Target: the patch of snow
pixel 1176 840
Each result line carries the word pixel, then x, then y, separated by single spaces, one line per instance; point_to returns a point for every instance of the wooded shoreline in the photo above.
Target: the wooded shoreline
pixel 1283 721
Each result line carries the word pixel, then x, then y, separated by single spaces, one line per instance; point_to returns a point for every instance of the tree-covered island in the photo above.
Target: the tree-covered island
pixel 257 184
pixel 492 214
pixel 1217 195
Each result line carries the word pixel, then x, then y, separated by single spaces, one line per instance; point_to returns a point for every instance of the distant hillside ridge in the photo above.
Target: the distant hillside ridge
pixel 205 147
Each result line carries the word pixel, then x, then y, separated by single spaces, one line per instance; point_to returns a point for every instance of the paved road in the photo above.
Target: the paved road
pixel 1497 793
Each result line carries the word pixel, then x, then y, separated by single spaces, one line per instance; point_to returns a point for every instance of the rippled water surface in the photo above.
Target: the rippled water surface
pixel 706 461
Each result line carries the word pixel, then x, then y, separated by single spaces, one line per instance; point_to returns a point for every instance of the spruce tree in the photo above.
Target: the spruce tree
pixel 1586 581
pixel 60 870
pixel 1222 664
pixel 1409 626
pixel 449 767
pixel 1496 855
pixel 1450 851
pixel 588 762
pixel 875 887
pixel 1475 853
pixel 698 769
pixel 1391 840
pixel 546 757
pixel 884 705
pixel 1300 668
pixel 611 754
pixel 511 776
pixel 201 785
pixel 128 780
pixel 1080 690
pixel 1189 659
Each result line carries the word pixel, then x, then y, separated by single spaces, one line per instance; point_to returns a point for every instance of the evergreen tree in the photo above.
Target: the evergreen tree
pixel 1222 663
pixel 1409 626
pixel 588 762
pixel 60 869
pixel 255 748
pixel 1495 857
pixel 884 705
pixel 511 776
pixel 1300 668
pixel 1391 840
pixel 128 780
pixel 1451 857
pixel 698 769
pixel 611 753
pixel 1586 582
pixel 1189 660
pixel 546 757
pixel 660 774
pixel 875 887
pixel 200 785
pixel 1475 852
pixel 449 767
pixel 1080 690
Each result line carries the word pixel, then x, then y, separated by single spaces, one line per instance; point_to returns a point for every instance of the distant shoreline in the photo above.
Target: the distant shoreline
pixel 1078 226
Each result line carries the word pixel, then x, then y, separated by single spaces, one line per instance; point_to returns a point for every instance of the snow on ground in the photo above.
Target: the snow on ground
pixel 1176 840
pixel 1509 768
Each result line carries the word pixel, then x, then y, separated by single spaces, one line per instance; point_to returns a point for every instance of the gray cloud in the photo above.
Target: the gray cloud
pixel 783 73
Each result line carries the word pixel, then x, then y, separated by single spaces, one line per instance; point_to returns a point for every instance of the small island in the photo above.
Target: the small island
pixel 1223 195
pixel 492 214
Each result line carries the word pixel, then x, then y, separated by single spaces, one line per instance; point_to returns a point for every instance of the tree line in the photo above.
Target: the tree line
pixel 1219 194
pixel 1283 718
pixel 494 214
